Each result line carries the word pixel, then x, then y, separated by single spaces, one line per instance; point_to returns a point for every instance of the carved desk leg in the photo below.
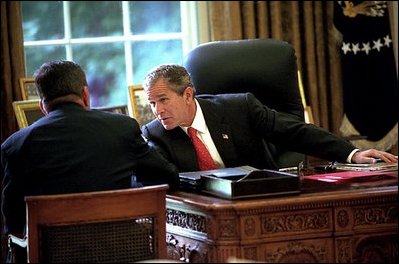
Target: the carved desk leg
pixel 367 233
pixel 184 232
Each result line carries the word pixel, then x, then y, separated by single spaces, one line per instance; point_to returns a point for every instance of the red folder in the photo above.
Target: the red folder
pixel 352 176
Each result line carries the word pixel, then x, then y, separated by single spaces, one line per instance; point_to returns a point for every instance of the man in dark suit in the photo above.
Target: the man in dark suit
pixel 232 126
pixel 74 149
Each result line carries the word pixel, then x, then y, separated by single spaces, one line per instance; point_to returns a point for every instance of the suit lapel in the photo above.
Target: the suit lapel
pixel 183 150
pixel 220 132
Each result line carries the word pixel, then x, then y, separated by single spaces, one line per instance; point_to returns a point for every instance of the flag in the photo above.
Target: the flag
pixel 369 77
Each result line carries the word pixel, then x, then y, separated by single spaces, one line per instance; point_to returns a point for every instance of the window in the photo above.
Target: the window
pixel 116 42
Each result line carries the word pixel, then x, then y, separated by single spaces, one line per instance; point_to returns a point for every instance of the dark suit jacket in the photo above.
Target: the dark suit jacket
pixel 75 150
pixel 239 125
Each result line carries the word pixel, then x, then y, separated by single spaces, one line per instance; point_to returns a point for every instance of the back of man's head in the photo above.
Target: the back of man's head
pixel 58 78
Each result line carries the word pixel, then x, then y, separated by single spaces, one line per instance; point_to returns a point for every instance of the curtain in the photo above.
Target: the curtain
pixel 12 64
pixel 12 68
pixel 308 26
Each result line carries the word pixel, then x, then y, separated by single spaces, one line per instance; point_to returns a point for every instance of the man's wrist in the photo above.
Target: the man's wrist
pixel 349 159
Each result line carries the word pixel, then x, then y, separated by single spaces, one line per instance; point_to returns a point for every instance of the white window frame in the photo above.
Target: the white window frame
pixel 194 19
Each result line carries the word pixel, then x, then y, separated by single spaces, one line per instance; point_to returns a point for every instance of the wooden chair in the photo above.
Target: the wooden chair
pixel 107 226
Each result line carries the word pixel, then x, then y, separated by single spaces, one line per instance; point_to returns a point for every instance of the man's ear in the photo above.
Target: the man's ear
pixel 86 97
pixel 43 107
pixel 188 94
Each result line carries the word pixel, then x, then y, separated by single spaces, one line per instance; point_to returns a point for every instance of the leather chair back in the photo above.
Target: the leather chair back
pixel 265 67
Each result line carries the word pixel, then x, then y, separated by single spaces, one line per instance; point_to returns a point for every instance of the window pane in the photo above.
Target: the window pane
pixel 42 20
pixel 36 56
pixel 148 54
pixel 96 18
pixel 104 65
pixel 154 17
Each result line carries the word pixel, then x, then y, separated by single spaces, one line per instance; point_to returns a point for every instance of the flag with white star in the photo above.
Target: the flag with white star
pixel 369 79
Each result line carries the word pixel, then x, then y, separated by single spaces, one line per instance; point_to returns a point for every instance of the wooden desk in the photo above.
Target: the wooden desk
pixel 343 225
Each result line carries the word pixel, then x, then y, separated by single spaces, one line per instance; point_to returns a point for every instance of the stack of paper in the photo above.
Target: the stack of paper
pixel 379 166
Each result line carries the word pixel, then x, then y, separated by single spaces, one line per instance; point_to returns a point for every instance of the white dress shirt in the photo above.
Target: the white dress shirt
pixel 204 135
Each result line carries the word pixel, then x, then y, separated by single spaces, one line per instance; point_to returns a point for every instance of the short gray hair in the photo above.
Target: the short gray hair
pixel 177 77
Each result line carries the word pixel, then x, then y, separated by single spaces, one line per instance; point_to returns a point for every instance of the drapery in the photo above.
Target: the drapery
pixel 12 68
pixel 306 25
pixel 309 27
pixel 12 64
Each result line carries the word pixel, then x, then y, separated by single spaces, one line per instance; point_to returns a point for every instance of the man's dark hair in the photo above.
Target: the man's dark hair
pixel 59 78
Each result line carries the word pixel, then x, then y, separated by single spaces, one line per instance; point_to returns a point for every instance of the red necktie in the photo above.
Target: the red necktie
pixel 205 161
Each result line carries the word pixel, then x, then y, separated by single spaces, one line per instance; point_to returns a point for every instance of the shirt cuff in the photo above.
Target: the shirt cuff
pixel 349 159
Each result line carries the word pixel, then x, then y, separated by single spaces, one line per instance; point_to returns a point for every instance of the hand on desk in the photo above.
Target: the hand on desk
pixel 372 155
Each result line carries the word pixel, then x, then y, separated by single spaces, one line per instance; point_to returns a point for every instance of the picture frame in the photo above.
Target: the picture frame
pixel 120 109
pixel 27 112
pixel 141 108
pixel 28 88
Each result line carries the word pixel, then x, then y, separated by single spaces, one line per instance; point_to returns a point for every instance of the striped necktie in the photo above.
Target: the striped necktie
pixel 205 161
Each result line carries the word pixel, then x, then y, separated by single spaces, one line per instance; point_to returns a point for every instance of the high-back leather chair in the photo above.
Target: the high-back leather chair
pixel 114 226
pixel 265 67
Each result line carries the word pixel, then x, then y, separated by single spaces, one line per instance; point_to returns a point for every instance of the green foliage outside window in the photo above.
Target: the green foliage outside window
pixel 96 35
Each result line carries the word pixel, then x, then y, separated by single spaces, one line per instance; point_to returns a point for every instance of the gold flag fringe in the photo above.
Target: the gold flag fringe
pixel 384 144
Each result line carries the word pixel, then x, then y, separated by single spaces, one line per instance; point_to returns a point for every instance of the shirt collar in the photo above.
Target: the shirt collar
pixel 199 120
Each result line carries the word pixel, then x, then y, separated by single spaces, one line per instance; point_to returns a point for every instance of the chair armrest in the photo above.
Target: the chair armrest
pixel 15 240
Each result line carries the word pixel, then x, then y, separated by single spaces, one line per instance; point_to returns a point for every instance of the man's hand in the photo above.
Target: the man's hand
pixel 371 156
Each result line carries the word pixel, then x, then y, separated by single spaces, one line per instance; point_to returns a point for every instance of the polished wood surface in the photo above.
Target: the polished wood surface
pixel 356 222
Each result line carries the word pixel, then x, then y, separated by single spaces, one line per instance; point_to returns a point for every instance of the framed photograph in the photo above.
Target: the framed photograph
pixel 141 108
pixel 27 112
pixel 120 109
pixel 28 89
